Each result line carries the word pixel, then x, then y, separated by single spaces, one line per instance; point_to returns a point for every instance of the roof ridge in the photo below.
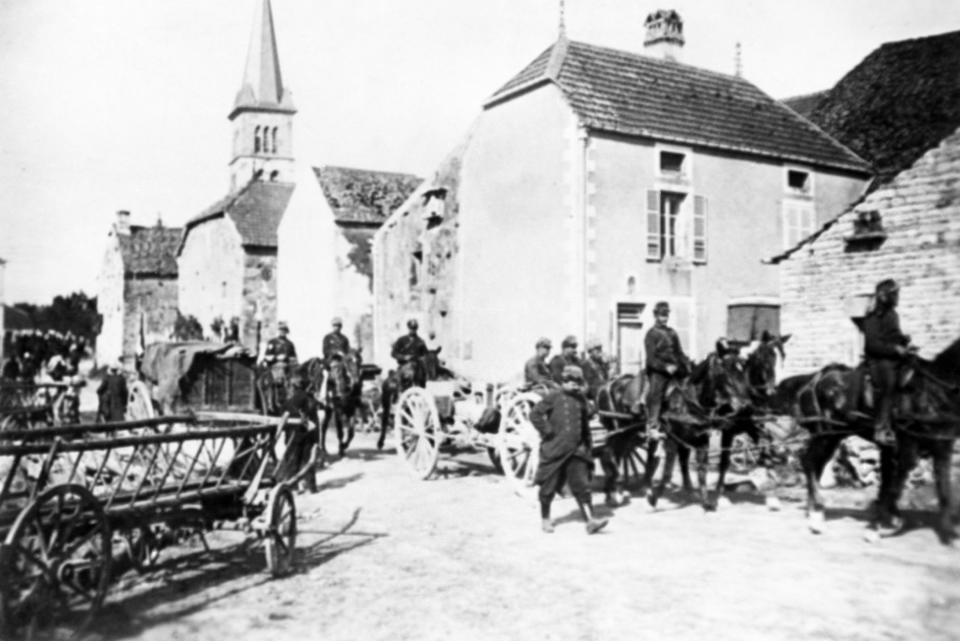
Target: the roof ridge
pixel 369 171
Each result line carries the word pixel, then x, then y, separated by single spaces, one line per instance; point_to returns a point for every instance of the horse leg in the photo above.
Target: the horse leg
pixel 703 458
pixel 323 432
pixel 670 447
pixel 338 419
pixel 646 483
pixel 726 442
pixel 819 451
pixel 683 455
pixel 608 462
pixel 385 401
pixel 941 475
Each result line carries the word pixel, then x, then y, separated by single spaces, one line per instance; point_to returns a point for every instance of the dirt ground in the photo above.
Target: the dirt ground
pixel 385 556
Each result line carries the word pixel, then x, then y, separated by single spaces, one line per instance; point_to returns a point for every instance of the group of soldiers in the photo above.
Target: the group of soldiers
pixel 35 353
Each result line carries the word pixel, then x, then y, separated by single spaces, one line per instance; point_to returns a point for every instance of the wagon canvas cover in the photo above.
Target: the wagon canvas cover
pixel 175 368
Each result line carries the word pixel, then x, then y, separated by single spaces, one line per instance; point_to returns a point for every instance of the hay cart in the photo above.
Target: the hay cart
pixel 81 505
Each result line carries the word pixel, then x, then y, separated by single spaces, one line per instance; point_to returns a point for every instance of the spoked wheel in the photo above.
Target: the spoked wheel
pixel 417 431
pixel 55 565
pixel 519 443
pixel 630 454
pixel 139 403
pixel 281 539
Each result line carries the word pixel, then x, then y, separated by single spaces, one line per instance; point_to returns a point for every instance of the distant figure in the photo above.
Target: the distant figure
pixel 536 373
pixel 596 369
pixel 112 395
pixel 409 346
pixel 567 356
pixel 335 344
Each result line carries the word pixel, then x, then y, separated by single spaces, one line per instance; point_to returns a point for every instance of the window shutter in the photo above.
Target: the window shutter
pixel 699 229
pixel 654 249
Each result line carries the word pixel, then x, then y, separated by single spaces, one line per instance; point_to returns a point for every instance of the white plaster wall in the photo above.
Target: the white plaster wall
pixel 306 266
pixel 110 302
pixel 211 271
pixel 354 296
pixel 516 233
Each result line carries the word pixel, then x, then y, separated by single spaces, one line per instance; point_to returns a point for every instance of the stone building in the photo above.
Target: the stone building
pixel 324 247
pixel 596 182
pixel 900 107
pixel 228 255
pixel 136 288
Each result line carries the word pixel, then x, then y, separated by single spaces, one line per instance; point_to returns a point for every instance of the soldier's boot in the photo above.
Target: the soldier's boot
pixel 545 523
pixel 882 430
pixel 594 524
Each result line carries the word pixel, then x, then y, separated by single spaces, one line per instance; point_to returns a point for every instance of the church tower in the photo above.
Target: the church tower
pixel 262 114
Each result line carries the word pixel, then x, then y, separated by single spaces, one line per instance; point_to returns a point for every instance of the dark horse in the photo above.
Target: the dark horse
pixel 926 418
pixel 343 398
pixel 622 396
pixel 715 392
pixel 413 372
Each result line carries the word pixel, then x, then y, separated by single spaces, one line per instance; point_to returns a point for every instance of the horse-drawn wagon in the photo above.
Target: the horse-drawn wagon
pixel 80 505
pixel 24 404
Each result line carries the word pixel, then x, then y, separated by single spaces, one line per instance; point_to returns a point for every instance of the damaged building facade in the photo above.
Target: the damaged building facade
pixel 594 183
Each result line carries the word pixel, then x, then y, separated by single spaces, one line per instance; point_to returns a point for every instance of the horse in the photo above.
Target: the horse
pixel 623 395
pixel 410 373
pixel 342 399
pixel 273 387
pixel 716 388
pixel 925 424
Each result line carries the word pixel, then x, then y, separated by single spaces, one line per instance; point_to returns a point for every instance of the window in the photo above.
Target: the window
pixel 798 182
pixel 256 140
pixel 673 230
pixel 798 222
pixel 273 144
pixel 747 321
pixel 671 162
pixel 674 164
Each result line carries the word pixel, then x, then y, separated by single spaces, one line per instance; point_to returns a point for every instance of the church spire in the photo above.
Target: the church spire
pixel 262 85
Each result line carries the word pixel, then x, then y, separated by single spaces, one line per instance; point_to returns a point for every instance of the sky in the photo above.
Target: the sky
pixel 123 104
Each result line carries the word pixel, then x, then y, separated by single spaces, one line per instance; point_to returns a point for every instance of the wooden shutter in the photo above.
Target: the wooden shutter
pixel 699 230
pixel 654 248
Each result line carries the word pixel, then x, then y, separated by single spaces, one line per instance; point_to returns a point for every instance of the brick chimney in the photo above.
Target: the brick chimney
pixel 664 38
pixel 122 226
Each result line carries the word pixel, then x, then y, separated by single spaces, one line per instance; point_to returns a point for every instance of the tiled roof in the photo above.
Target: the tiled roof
pixel 805 104
pixel 256 210
pixel 899 102
pixel 364 196
pixel 150 250
pixel 627 93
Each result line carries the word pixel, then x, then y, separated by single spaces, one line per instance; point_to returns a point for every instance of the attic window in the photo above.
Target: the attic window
pixel 868 232
pixel 799 182
pixel 671 162
pixel 434 202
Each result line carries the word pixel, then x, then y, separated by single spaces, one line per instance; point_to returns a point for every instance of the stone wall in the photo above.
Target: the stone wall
pixel 829 280
pixel 258 321
pixel 150 307
pixel 110 291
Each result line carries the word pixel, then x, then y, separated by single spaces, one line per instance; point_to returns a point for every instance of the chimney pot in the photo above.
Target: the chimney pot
pixel 664 36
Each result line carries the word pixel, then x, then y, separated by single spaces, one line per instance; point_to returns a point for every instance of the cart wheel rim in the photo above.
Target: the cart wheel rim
pixel 281 539
pixel 56 564
pixel 519 444
pixel 417 431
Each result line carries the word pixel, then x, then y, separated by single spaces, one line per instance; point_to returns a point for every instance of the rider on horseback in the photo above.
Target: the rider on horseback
pixel 280 357
pixel 409 347
pixel 885 348
pixel 665 361
pixel 335 344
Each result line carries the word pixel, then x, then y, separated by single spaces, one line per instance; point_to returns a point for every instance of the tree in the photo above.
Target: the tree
pixel 187 328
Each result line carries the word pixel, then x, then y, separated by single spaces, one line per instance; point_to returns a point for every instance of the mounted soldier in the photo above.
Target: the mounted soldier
pixel 335 344
pixel 280 357
pixel 885 350
pixel 410 351
pixel 567 356
pixel 665 362
pixel 536 373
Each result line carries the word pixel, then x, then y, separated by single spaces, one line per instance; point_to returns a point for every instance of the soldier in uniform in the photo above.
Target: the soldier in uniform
pixel 280 356
pixel 567 356
pixel 112 395
pixel 596 370
pixel 561 420
pixel 335 343
pixel 305 439
pixel 535 371
pixel 665 361
pixel 885 349
pixel 409 346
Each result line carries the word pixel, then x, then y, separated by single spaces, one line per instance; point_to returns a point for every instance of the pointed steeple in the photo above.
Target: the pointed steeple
pixel 262 86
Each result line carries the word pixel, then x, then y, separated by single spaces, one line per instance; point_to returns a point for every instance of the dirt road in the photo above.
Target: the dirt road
pixel 387 557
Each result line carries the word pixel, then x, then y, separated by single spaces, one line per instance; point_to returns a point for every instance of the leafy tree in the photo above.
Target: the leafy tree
pixel 187 328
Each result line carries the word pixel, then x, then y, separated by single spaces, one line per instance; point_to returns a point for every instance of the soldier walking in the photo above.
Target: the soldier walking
pixel 561 419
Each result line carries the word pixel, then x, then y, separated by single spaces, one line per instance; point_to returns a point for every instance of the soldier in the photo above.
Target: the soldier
pixel 561 420
pixel 665 361
pixel 112 394
pixel 885 348
pixel 535 371
pixel 300 454
pixel 335 343
pixel 567 356
pixel 596 370
pixel 280 350
pixel 409 346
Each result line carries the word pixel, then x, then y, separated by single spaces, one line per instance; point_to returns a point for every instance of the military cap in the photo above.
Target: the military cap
pixel 544 342
pixel 572 373
pixel 663 307
pixel 283 327
pixel 413 324
pixel 887 286
pixel 594 343
pixel 337 321
pixel 569 341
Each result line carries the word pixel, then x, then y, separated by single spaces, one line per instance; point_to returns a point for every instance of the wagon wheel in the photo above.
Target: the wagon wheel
pixel 56 565
pixel 630 454
pixel 519 443
pixel 280 545
pixel 417 431
pixel 139 403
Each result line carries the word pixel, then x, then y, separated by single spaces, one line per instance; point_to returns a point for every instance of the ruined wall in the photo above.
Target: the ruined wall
pixel 258 319
pixel 830 280
pixel 150 308
pixel 110 286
